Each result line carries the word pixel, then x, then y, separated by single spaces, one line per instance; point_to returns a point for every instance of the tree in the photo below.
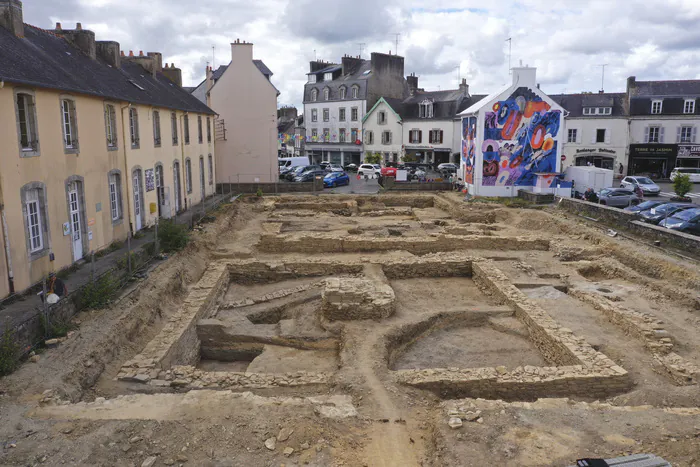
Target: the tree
pixel 373 157
pixel 409 158
pixel 682 185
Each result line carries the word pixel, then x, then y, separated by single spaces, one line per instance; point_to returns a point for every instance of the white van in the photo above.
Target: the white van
pixel 288 163
pixel 693 173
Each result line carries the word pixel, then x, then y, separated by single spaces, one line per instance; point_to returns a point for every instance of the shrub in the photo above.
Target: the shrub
pixel 9 353
pixel 99 294
pixel 54 329
pixel 373 157
pixel 259 193
pixel 682 185
pixel 149 248
pixel 171 236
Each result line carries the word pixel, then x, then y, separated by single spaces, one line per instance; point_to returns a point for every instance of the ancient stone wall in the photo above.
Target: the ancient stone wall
pixel 347 299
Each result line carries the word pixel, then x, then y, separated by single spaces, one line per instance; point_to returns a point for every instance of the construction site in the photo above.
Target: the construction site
pixel 384 330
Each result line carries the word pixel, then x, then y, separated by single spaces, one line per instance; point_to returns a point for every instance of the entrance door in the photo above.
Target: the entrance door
pixel 176 183
pixel 76 227
pixel 160 190
pixel 137 200
pixel 201 177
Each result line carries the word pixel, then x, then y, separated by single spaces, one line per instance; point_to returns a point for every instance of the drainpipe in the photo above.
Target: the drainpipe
pixel 126 169
pixel 183 170
pixel 8 255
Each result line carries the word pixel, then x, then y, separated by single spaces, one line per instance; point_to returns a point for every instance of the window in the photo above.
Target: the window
pixel 343 92
pixel 211 169
pixel 353 114
pixel 326 94
pixel 435 137
pixel 353 135
pixel 36 223
pixel 689 106
pixel 208 130
pixel 187 129
pixel 328 76
pixel 200 134
pixel 654 134
pixel 686 134
pixel 314 134
pixel 70 127
pixel 341 133
pixel 600 135
pixel 656 107
pixel 326 115
pixel 341 114
pixel 173 127
pixel 188 175
pixel 381 118
pixel 415 136
pixel 134 127
pixel 115 195
pixel 26 117
pixel 386 137
pixel 572 137
pixel 36 240
pixel 425 109
pixel 314 95
pixel 156 128
pixel 312 78
pixel 608 110
pixel 326 134
pixel 586 111
pixel 111 126
pixel 314 115
pixel 355 92
pixel 369 137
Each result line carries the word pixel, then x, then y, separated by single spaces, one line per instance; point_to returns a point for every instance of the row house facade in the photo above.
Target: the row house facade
pixel 336 99
pixel 95 146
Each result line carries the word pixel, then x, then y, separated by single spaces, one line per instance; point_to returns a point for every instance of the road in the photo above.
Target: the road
pixel 667 191
pixel 356 186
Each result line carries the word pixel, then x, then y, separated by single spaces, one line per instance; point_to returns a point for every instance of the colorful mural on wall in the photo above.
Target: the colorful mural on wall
pixel 519 140
pixel 469 148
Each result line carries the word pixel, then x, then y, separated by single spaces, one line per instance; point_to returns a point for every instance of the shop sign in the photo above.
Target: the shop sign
pixel 653 150
pixel 689 151
pixel 600 151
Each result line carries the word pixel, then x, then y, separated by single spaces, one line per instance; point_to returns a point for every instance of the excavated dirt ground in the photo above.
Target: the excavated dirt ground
pixel 70 409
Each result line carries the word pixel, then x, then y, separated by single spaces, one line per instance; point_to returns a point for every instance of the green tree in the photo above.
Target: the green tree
pixel 409 158
pixel 373 157
pixel 682 185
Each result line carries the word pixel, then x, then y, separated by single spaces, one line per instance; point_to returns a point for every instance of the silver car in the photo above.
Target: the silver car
pixel 618 197
pixel 645 183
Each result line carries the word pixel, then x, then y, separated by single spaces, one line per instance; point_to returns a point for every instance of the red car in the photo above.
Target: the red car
pixel 388 171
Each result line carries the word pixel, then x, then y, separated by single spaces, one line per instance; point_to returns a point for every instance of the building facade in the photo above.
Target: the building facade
pixel 245 100
pixel 382 128
pixel 95 145
pixel 286 123
pixel 336 99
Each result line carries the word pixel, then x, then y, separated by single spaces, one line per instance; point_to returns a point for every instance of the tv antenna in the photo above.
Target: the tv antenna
pixel 362 47
pixel 213 56
pixel 602 78
pixel 397 35
pixel 510 52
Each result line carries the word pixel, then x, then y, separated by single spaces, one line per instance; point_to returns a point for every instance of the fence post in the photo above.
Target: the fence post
pixel 44 295
pixel 155 248
pixel 128 252
pixel 238 176
pixel 92 266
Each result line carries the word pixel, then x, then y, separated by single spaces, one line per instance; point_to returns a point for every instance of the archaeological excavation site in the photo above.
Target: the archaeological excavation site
pixel 383 330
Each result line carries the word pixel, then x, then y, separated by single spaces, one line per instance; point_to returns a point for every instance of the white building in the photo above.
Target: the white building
pixel 512 139
pixel 383 129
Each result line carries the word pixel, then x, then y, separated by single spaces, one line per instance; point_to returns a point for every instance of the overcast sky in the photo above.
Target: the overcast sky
pixel 565 39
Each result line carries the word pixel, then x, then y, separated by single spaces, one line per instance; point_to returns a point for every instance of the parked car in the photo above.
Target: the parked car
pixel 659 213
pixel 645 206
pixel 309 175
pixel 687 220
pixel 648 187
pixel 369 169
pixel 296 171
pixel 325 164
pixel 447 166
pixel 418 173
pixel 335 179
pixel 335 168
pixel 388 171
pixel 351 167
pixel 617 197
pixel 691 172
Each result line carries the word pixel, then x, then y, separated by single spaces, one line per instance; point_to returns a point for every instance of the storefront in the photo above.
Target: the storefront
pixel 652 160
pixel 603 158
pixel 688 156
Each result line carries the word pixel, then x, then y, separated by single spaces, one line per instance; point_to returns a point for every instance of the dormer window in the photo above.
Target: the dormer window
pixel 328 77
pixel 314 95
pixel 656 107
pixel 689 106
pixel 326 94
pixel 312 78
pixel 425 109
pixel 343 92
pixel 597 111
pixel 355 92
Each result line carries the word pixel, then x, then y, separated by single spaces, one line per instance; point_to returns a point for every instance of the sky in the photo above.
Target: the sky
pixel 442 41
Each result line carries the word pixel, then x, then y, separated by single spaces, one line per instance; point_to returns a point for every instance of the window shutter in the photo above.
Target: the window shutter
pixel 646 134
pixel 661 135
pixel 693 134
pixel 678 134
pixel 441 136
pixel 594 136
pixel 430 137
pixel 420 136
pixel 607 136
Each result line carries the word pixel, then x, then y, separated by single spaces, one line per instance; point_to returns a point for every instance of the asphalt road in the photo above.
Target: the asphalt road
pixel 667 191
pixel 356 186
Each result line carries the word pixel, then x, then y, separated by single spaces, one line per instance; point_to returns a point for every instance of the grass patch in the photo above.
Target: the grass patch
pixel 55 329
pixel 9 353
pixel 172 237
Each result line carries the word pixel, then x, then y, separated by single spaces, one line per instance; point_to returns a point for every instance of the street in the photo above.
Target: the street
pixel 361 186
pixel 667 191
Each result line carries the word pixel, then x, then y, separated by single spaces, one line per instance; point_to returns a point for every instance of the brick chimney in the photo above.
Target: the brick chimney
pixel 318 65
pixel 351 65
pixel 81 39
pixel 464 87
pixel 158 61
pixel 173 74
pixel 241 52
pixel 11 17
pixel 110 52
pixel 412 81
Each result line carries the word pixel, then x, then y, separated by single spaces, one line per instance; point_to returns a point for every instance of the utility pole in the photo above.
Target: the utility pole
pixel 602 79
pixel 213 56
pixel 362 47
pixel 510 52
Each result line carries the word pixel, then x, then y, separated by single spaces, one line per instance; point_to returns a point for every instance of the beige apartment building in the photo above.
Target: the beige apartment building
pixel 245 100
pixel 93 145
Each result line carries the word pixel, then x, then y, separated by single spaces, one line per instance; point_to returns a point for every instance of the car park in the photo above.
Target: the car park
pixel 388 171
pixel 687 220
pixel 645 183
pixel 335 168
pixel 351 167
pixel 659 213
pixel 447 166
pixel 692 173
pixel 369 170
pixel 296 171
pixel 310 175
pixel 335 179
pixel 645 206
pixel 617 197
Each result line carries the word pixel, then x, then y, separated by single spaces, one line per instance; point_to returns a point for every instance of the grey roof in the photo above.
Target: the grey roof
pixel 574 103
pixel 358 78
pixel 328 69
pixel 446 104
pixel 216 74
pixel 263 68
pixel 681 88
pixel 45 60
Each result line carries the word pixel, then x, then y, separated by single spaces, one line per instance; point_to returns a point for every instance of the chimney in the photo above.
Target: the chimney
pixel 464 87
pixel 173 74
pixel 58 26
pixel 525 77
pixel 11 17
pixel 110 52
pixel 158 58
pixel 631 83
pixel 412 80
pixel 81 39
pixel 147 62
pixel 241 52
pixel 351 65
pixel 317 65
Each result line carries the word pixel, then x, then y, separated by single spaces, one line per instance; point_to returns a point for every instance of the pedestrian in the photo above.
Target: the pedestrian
pixel 638 191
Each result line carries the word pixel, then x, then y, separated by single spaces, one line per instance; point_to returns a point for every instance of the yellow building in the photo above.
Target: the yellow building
pixel 93 145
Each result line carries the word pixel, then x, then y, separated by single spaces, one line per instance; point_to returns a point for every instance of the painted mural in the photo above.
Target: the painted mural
pixel 469 148
pixel 519 140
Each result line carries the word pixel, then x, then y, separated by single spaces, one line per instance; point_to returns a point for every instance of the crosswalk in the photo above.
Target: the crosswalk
pixel 671 195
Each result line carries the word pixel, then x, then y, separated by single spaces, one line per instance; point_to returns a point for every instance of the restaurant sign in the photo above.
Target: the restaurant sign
pixel 688 151
pixel 653 150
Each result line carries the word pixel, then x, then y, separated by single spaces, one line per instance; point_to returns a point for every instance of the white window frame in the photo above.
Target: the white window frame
pixel 114 184
pixel 572 132
pixel 689 129
pixel 656 130
pixel 314 133
pixel 28 109
pixel 386 137
pixel 343 92
pixel 68 113
pixel 312 78
pixel 210 163
pixel 689 106
pixel 314 115
pixel 188 175
pixel 657 106
pixel 111 126
pixel 342 114
pixel 369 137
pixel 328 77
pixel 326 94
pixel 381 117
pixel 157 140
pixel 173 128
pixel 34 221
pixel 425 109
pixel 341 135
pixel 355 92
pixel 134 127
pixel 354 134
pixel 326 115
pixel 314 95
pixel 414 136
pixel 326 134
pixel 354 114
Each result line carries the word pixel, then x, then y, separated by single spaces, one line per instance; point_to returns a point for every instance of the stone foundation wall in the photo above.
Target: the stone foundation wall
pixel 321 205
pixel 464 212
pixel 347 299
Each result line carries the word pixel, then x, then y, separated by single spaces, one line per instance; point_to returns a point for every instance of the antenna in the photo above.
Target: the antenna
pixel 459 75
pixel 213 56
pixel 315 58
pixel 362 47
pixel 510 52
pixel 602 79
pixel 397 34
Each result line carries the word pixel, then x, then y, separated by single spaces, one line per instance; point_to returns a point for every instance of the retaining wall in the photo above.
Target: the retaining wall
pixel 271 187
pixel 390 184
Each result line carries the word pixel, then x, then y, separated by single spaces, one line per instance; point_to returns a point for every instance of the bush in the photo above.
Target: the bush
pixel 9 353
pixel 54 329
pixel 682 185
pixel 171 236
pixel 373 157
pixel 149 248
pixel 99 294
pixel 259 193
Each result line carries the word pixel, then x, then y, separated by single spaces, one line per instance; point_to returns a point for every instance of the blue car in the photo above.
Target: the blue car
pixel 684 221
pixel 335 179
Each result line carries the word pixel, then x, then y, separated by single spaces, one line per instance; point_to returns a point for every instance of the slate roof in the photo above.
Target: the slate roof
pixel 574 103
pixel 358 78
pixel 216 74
pixel 680 88
pixel 43 59
pixel 446 104
pixel 263 68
